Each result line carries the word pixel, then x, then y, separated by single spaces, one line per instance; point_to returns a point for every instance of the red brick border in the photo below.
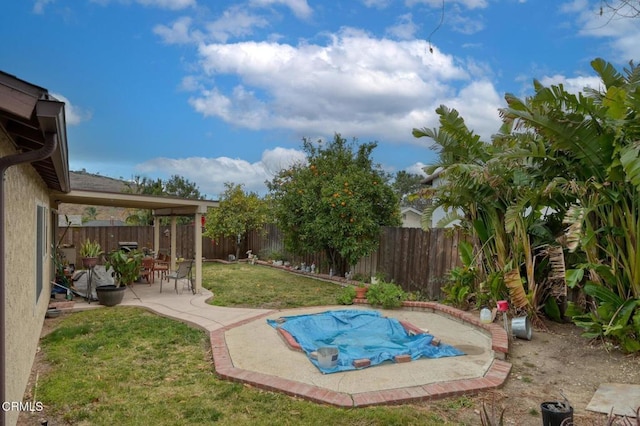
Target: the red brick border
pixel 494 378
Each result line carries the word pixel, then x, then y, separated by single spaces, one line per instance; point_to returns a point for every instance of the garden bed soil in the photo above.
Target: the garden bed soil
pixel 557 361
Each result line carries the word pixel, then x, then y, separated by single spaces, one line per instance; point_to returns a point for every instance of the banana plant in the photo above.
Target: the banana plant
pixel 594 136
pixel 613 318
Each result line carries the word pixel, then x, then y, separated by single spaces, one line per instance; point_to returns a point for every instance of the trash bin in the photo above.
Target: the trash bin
pixel 127 246
pixel 556 414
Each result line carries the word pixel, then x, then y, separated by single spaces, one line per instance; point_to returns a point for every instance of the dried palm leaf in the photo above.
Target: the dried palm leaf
pixel 557 275
pixel 516 290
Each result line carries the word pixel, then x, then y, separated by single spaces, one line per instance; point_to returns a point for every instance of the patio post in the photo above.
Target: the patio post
pixel 198 253
pixel 156 235
pixel 174 253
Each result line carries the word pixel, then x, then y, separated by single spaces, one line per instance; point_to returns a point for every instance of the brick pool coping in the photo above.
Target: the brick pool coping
pixel 494 377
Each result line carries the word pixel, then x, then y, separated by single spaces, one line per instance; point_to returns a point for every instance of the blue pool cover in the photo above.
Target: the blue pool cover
pixel 359 334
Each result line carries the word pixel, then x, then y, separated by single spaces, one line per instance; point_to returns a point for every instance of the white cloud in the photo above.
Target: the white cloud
pixel 74 115
pixel 622 34
pixel 39 5
pixel 178 33
pixel 210 174
pixel 378 4
pixel 235 22
pixel 572 84
pixel 417 169
pixel 274 160
pixel 453 16
pixel 300 8
pixel 469 4
pixel 356 85
pixel 168 4
pixel 190 83
pixel 466 25
pixel 162 4
pixel 405 29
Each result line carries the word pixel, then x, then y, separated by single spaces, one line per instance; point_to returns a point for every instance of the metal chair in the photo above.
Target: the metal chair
pixel 183 272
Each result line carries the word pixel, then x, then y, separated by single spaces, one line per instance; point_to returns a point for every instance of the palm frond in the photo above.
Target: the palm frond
pixel 607 72
pixel 426 219
pixel 630 159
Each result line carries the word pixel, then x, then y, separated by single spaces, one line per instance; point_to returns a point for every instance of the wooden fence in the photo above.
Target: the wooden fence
pixel 415 259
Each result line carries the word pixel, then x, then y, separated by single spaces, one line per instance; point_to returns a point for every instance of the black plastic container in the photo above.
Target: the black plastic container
pixel 556 414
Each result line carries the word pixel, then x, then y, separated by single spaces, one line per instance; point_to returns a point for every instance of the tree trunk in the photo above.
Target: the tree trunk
pixel 336 262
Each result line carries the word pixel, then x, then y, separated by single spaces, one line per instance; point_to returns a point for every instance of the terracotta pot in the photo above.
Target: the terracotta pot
pixel 89 262
pixel 361 292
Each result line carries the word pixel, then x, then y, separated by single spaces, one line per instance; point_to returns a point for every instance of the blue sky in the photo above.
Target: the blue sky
pixel 223 91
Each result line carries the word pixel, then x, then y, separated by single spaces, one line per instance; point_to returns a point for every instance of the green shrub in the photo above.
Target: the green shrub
pixel 615 319
pixel 273 254
pixel 358 276
pixel 385 294
pixel 461 287
pixel 416 296
pixel 346 295
pixel 459 292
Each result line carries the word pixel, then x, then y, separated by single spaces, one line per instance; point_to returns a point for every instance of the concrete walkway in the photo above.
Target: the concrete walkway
pixel 246 349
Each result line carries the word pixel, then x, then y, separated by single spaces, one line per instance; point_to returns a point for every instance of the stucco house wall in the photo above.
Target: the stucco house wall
pixel 435 180
pixel 411 218
pixel 24 191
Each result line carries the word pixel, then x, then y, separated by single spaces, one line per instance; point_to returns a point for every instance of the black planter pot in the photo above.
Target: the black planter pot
pixel 110 295
pixel 555 414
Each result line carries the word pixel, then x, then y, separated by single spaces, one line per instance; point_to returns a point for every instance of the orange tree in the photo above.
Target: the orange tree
pixel 336 201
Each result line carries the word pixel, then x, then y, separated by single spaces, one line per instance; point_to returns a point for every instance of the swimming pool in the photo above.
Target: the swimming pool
pixel 363 338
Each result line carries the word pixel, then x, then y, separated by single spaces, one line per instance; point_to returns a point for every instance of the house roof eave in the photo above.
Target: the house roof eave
pixel 29 116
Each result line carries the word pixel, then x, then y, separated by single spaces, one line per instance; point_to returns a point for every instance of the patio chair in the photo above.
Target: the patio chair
pixel 148 271
pixel 183 272
pixel 161 266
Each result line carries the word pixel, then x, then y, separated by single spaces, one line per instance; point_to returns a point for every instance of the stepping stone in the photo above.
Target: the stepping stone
pixel 624 399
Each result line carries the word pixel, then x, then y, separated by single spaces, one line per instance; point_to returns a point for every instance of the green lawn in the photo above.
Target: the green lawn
pixel 256 286
pixel 126 366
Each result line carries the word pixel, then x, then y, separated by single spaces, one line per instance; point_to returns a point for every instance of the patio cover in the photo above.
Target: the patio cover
pixel 161 206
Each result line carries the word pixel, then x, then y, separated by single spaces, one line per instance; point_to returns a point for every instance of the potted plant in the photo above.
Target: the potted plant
pixel 126 269
pixel 90 251
pixel 361 290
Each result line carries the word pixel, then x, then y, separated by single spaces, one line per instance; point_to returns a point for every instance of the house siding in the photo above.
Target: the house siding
pixel 24 191
pixel 411 219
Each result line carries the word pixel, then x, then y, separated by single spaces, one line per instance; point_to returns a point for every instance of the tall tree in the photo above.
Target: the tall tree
pixel 176 186
pixel 407 187
pixel 238 213
pixel 90 213
pixel 335 202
